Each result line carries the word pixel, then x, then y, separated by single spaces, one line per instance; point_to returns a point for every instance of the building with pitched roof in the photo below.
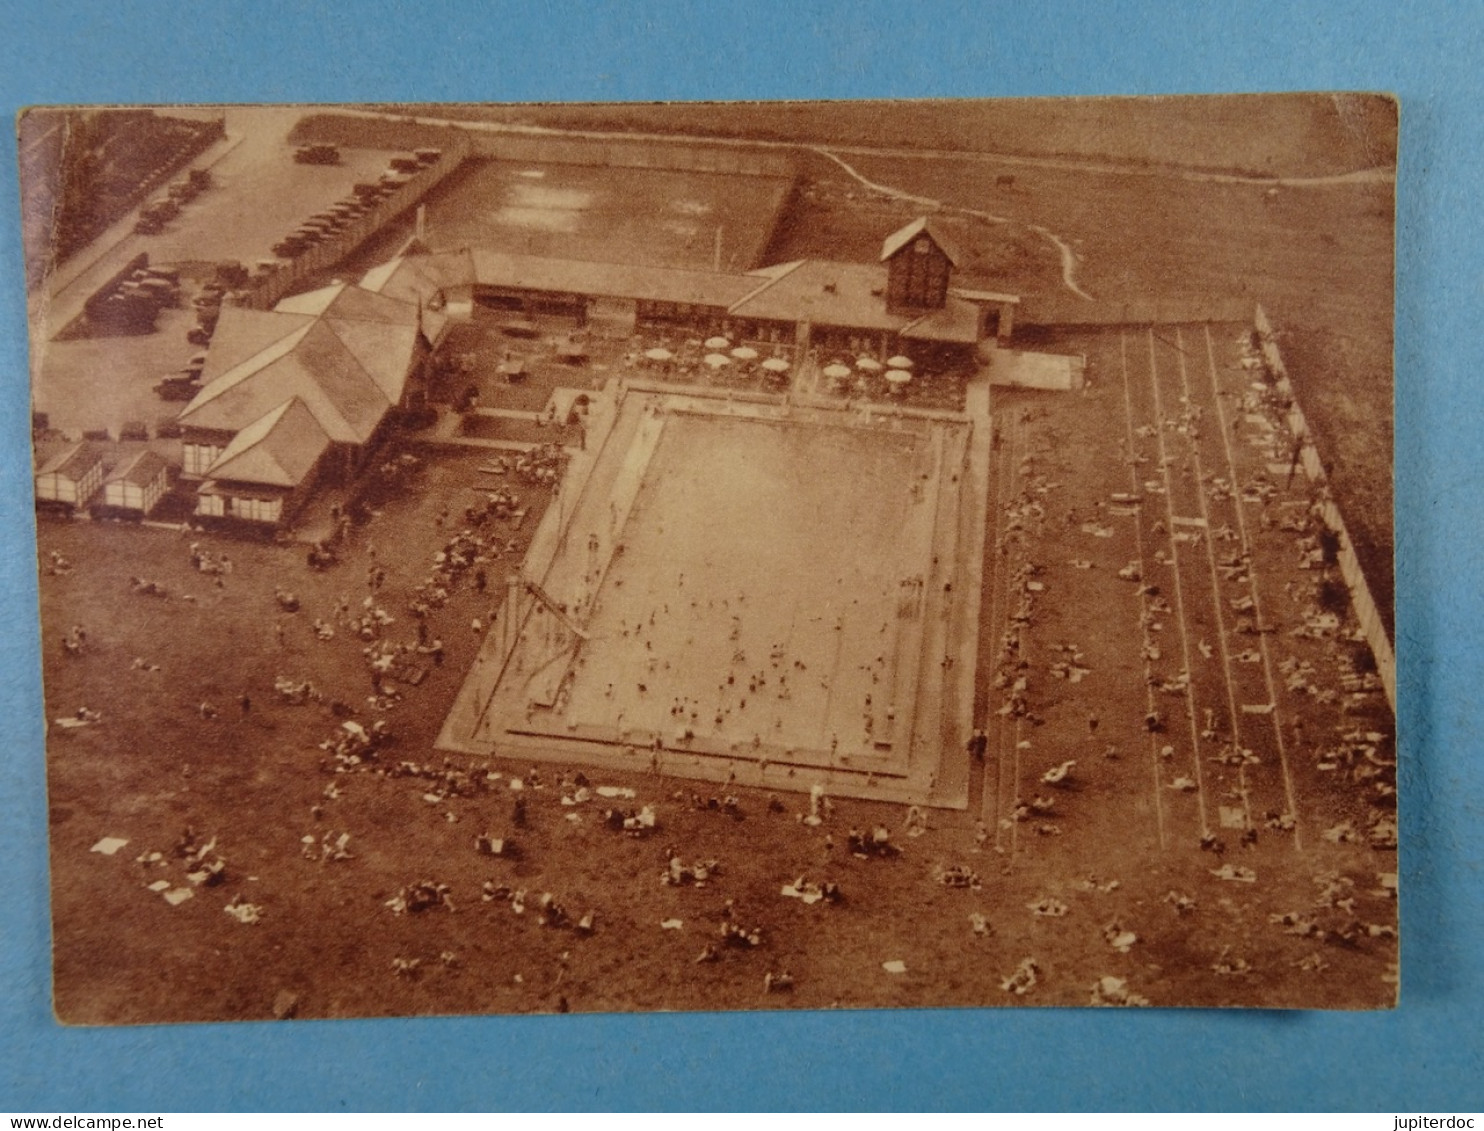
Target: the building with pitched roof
pixel 902 302
pixel 308 389
pixel 305 390
pixel 132 489
pixel 919 260
pixel 70 478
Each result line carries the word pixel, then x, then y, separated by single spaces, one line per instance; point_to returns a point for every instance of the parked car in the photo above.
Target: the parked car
pixel 178 386
pixel 317 155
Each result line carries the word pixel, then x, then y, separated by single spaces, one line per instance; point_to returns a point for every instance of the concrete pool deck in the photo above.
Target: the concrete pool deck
pixel 752 591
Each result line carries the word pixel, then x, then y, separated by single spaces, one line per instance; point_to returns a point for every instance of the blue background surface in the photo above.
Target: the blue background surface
pixel 1425 1055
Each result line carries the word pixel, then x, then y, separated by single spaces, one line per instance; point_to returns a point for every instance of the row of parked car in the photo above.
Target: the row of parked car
pixel 132 301
pixel 363 197
pixel 184 385
pixel 157 213
pixel 317 155
pixel 208 307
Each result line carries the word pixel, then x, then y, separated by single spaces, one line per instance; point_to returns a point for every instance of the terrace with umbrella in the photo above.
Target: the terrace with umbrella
pixel 776 369
pixel 837 374
pixel 659 356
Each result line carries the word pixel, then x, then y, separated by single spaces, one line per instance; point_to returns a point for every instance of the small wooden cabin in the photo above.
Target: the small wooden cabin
pixel 70 478
pixel 134 487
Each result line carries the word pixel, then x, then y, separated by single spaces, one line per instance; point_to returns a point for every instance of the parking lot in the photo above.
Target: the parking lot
pixel 259 193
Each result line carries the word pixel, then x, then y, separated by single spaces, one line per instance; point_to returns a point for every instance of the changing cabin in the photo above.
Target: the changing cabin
pixel 134 487
pixel 70 478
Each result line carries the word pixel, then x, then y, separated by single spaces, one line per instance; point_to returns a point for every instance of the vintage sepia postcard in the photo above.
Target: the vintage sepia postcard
pixel 546 558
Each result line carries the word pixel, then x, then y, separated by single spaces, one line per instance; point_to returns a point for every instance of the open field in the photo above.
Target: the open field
pixel 655 217
pixel 834 217
pixel 1262 135
pixel 1185 608
pixel 1121 832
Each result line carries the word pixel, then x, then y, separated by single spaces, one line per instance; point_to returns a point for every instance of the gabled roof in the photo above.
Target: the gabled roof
pixel 73 462
pixel 312 363
pixel 242 333
pixel 271 353
pixel 905 235
pixel 417 277
pixel 383 350
pixel 141 469
pixel 347 302
pixel 280 448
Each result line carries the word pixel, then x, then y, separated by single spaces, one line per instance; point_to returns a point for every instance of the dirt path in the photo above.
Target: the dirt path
pixel 1068 257
pixel 1064 251
pixel 1374 175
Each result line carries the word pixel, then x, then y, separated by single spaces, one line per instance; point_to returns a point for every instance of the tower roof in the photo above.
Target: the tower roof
pixel 921 226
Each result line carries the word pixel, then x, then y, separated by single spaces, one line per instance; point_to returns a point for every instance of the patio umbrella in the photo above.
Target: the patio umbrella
pixel 836 371
pixel 659 353
pixel 716 360
pixel 899 362
pixel 717 343
pixel 744 353
pixel 870 364
pixel 776 365
pixel 897 377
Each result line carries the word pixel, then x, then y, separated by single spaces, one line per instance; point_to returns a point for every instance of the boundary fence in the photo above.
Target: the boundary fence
pixel 635 154
pixel 1059 311
pixel 264 292
pixel 1360 593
